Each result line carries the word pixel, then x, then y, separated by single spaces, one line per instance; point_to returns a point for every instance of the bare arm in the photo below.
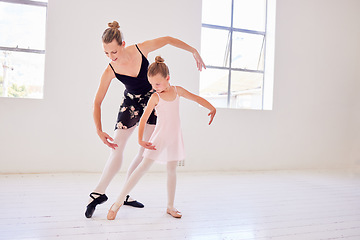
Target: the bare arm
pixel 106 78
pixel 202 101
pixel 149 108
pixel 154 44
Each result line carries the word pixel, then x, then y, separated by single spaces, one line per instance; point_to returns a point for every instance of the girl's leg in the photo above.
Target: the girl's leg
pixel 171 183
pixel 171 186
pixel 131 182
pixel 149 129
pixel 115 159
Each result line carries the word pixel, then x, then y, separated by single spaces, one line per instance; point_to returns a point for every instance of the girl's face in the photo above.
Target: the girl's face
pixel 159 83
pixel 113 50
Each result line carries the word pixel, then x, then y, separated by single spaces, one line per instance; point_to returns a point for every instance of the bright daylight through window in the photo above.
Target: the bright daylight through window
pixel 234 48
pixel 22 48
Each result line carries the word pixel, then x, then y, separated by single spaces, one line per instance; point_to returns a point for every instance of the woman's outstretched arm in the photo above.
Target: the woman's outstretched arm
pixel 154 44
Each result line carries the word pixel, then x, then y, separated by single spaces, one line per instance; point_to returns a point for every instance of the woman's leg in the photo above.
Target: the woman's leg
pixel 111 168
pixel 115 159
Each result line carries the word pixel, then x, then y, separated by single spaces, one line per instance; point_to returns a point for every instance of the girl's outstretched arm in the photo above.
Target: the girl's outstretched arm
pixel 202 101
pixel 149 108
pixel 151 45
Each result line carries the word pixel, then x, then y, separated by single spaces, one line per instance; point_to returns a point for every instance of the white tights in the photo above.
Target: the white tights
pixel 140 171
pixel 115 159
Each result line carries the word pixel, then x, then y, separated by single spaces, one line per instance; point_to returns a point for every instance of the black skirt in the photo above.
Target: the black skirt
pixel 132 108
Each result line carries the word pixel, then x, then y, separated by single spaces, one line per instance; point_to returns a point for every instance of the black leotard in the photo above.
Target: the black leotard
pixel 137 93
pixel 138 84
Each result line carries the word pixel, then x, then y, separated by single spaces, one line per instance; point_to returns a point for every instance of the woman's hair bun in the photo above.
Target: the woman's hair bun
pixel 114 24
pixel 159 59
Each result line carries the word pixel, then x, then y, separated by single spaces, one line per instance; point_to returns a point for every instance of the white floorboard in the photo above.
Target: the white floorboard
pixel 281 205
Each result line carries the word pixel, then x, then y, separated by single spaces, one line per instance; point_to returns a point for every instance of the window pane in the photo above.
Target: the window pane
pixel 215 47
pixel 214 86
pixel 22 26
pixel 21 74
pixel 250 14
pixel 216 12
pixel 247 51
pixel 246 90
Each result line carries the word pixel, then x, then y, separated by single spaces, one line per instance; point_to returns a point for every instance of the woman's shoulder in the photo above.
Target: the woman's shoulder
pixel 135 49
pixel 109 71
pixel 144 47
pixel 131 48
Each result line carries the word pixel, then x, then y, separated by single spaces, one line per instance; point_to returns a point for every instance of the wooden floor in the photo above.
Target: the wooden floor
pixel 289 205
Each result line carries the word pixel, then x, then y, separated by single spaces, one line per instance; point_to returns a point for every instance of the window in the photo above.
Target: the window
pixel 22 48
pixel 234 46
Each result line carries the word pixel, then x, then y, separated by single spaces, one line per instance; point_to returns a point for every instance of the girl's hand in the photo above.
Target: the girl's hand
pixel 147 145
pixel 199 62
pixel 212 115
pixel 107 140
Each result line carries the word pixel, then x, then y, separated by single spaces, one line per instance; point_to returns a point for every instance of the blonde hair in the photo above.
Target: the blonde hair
pixel 112 32
pixel 158 67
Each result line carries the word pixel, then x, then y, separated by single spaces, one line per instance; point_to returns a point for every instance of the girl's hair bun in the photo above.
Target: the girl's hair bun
pixel 159 59
pixel 114 24
pixel 158 67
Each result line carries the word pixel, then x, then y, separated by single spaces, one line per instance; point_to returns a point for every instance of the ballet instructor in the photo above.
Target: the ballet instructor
pixel 128 64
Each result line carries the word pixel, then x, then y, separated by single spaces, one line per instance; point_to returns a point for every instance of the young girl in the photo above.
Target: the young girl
pixel 166 143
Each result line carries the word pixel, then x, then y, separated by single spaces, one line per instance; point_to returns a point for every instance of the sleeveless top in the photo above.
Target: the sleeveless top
pixel 167 135
pixel 138 84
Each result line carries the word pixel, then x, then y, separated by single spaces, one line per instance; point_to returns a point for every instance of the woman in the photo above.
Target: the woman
pixel 129 65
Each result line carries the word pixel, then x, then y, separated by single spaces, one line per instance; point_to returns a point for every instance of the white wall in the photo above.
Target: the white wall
pixel 313 124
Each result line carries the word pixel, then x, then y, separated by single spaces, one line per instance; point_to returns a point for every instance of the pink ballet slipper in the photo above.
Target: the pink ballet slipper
pixel 112 214
pixel 175 213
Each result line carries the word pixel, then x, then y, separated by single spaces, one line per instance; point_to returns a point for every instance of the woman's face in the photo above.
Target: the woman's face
pixel 158 82
pixel 113 50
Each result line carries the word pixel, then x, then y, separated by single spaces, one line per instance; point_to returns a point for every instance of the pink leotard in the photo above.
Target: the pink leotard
pixel 167 136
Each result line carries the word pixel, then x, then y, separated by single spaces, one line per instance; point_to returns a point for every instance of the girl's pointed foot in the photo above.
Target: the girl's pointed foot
pixel 113 211
pixel 174 212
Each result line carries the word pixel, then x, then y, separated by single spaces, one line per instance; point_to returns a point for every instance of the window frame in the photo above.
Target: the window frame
pixel 25 50
pixel 231 30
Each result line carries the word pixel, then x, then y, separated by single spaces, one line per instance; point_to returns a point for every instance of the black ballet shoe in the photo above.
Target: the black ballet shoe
pixel 133 203
pixel 90 208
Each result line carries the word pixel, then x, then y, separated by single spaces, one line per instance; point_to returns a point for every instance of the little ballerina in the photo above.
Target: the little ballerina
pixel 166 142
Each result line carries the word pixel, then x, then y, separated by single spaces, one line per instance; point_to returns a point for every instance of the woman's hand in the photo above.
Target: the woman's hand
pixel 212 115
pixel 107 140
pixel 147 145
pixel 199 62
